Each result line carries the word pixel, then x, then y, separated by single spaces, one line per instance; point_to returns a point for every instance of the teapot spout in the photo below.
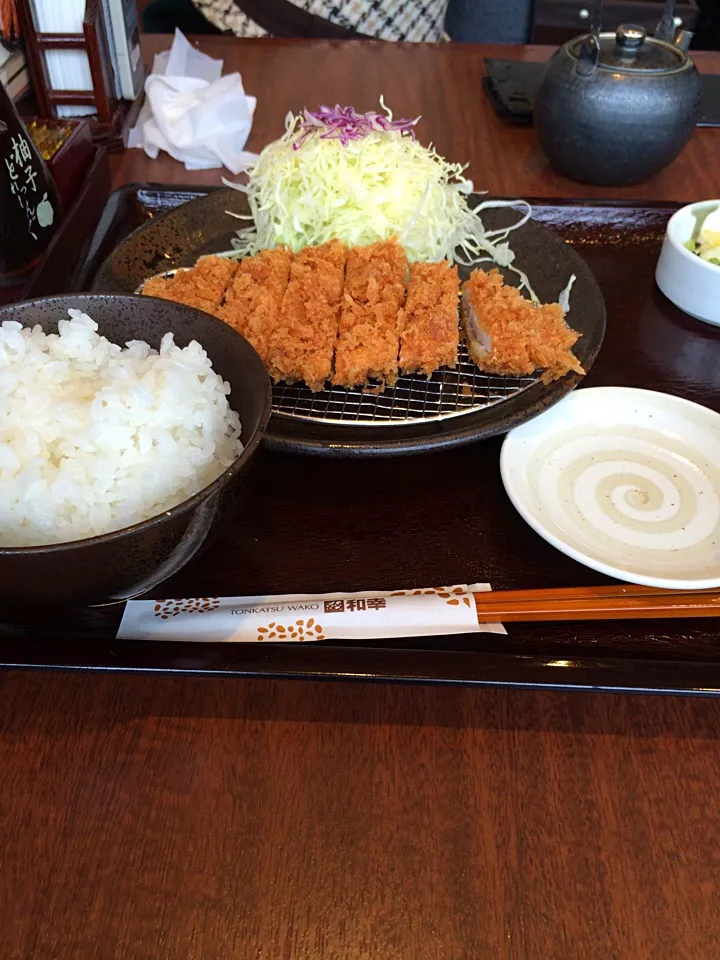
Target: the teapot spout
pixel 683 38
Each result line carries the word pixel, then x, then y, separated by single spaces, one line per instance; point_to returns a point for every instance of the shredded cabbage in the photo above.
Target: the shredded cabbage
pixel 564 298
pixel 311 186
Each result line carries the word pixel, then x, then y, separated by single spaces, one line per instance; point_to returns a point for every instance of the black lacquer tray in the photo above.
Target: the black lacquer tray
pixel 316 525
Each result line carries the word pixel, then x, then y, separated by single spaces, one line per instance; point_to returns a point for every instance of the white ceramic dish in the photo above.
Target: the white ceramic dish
pixel 692 284
pixel 624 481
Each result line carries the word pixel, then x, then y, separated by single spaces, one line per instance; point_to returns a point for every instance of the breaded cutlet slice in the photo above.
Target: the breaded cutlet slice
pixel 254 296
pixel 301 345
pixel 369 340
pixel 429 331
pixel 510 335
pixel 202 286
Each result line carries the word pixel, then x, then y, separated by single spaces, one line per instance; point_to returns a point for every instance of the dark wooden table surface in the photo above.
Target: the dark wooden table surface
pixel 441 82
pixel 182 818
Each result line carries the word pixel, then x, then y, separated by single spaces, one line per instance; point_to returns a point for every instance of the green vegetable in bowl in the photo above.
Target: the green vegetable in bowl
pixel 705 242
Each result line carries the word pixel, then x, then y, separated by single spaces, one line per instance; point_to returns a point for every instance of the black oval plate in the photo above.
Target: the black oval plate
pixel 203 226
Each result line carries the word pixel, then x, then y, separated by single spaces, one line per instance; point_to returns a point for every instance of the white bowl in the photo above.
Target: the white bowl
pixel 624 481
pixel 691 283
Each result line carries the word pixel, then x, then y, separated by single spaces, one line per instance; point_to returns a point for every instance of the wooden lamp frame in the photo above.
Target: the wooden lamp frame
pixel 111 113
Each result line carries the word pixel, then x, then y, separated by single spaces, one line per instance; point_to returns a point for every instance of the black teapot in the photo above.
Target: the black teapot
pixel 615 108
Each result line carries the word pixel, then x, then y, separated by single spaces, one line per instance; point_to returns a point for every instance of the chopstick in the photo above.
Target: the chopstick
pixel 622 602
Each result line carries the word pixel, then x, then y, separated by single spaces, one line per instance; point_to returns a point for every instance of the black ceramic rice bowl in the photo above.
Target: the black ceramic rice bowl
pixel 134 560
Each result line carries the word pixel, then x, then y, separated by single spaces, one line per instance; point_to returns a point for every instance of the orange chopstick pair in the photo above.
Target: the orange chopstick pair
pixel 622 602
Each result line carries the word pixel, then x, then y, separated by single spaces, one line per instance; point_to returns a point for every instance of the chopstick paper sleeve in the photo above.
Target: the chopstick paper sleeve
pixel 299 618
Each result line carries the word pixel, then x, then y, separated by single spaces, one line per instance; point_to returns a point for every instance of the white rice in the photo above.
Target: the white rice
pixel 95 437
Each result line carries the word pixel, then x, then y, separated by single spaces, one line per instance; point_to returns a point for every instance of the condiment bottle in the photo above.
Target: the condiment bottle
pixel 29 204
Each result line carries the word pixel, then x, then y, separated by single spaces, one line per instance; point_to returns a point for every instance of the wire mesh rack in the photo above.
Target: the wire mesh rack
pixel 448 393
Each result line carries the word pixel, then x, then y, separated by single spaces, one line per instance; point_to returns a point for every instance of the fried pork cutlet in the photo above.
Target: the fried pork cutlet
pixel 301 345
pixel 508 334
pixel 202 286
pixel 429 329
pixel 253 299
pixel 367 347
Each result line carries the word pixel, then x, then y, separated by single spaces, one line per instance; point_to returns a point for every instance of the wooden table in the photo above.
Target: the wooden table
pixel 441 82
pixel 181 818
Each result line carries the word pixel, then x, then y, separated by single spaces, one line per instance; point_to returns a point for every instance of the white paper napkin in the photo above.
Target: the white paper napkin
pixel 194 113
pixel 302 617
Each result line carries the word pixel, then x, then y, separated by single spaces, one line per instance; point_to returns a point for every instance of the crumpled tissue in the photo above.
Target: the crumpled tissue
pixel 194 113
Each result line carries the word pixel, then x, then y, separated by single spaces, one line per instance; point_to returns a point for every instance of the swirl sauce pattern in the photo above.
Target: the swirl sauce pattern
pixel 633 498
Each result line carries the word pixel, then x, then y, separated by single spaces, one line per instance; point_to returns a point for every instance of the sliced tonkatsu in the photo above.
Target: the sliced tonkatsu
pixel 367 348
pixel 254 297
pixel 203 286
pixel 510 335
pixel 301 345
pixel 429 331
pixel 360 316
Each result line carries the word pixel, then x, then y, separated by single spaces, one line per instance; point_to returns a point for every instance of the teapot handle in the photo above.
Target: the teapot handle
pixel 590 50
pixel 588 56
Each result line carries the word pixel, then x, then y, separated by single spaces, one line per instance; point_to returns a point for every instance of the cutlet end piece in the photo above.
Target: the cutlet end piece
pixel 202 286
pixel 509 335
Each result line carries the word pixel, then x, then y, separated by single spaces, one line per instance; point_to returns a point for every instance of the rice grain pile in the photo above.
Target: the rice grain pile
pixel 95 437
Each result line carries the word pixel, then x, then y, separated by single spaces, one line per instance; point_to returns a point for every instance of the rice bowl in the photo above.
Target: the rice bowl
pixel 96 437
pixel 133 559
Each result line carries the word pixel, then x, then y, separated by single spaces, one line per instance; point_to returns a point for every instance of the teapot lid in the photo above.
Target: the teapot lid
pixel 630 49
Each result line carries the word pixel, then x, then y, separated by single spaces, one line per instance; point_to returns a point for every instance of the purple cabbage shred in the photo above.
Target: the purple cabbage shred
pixel 346 124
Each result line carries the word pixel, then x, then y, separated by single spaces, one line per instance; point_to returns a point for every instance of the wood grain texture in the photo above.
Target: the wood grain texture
pixel 185 818
pixel 191 819
pixel 443 82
